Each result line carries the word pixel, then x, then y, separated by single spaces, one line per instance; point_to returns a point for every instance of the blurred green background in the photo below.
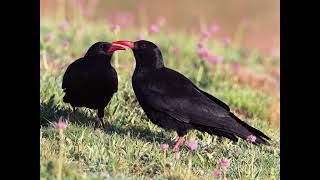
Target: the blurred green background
pixel 257 21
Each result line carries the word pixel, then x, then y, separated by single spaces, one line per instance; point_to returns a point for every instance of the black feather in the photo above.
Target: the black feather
pixel 91 81
pixel 172 101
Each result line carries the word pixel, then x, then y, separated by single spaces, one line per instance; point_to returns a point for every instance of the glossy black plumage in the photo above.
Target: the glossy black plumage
pixel 91 81
pixel 172 101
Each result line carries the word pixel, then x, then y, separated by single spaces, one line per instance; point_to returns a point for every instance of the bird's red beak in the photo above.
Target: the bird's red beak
pixel 115 47
pixel 129 44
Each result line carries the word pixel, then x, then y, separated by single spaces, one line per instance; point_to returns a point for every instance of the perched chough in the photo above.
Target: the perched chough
pixel 91 81
pixel 172 101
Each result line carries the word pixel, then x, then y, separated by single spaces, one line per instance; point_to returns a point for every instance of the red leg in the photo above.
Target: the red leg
pixel 178 143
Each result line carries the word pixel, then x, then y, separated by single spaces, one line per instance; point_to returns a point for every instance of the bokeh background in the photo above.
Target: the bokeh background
pixel 257 22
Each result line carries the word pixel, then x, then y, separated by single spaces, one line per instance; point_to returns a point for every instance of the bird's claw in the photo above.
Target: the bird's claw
pixel 177 144
pixel 175 149
pixel 101 123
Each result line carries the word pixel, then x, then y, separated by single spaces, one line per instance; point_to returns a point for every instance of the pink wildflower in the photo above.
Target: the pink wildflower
pixel 217 173
pixel 175 50
pixel 66 43
pixel 205 34
pixel 153 29
pixel 236 66
pixel 60 125
pixel 193 144
pixel 215 59
pixel 164 146
pixel 214 28
pixel 251 138
pixel 49 38
pixel 225 163
pixel 115 28
pixel 202 53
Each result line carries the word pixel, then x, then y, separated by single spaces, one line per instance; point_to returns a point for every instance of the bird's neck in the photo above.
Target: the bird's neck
pixel 146 69
pixel 100 59
pixel 148 65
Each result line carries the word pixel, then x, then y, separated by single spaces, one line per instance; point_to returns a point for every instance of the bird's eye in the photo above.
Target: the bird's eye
pixel 102 46
pixel 143 46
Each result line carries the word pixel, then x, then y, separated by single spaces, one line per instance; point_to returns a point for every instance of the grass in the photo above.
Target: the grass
pixel 129 148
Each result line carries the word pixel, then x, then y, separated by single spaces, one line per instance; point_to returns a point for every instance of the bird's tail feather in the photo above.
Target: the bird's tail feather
pixel 66 98
pixel 242 131
pixel 260 135
pixel 212 130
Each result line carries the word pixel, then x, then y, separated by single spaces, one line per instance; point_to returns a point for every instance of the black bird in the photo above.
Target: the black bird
pixel 91 80
pixel 172 101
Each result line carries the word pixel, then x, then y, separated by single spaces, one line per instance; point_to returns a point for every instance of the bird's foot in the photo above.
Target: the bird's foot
pixel 175 149
pixel 101 123
pixel 177 144
pixel 74 112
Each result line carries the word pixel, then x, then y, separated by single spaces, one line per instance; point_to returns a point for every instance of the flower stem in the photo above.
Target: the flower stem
pixel 61 148
pixel 189 166
pixel 252 161
pixel 44 57
pixel 199 75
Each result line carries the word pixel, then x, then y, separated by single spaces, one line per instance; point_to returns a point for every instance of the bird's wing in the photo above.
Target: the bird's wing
pixel 114 80
pixel 177 96
pixel 214 99
pixel 74 74
pixel 66 82
pixel 172 93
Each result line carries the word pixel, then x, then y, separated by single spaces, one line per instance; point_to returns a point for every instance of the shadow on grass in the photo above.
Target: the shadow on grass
pixel 50 112
pixel 139 133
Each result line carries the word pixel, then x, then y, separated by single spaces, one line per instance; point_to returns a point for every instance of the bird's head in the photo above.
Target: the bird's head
pixel 146 53
pixel 103 49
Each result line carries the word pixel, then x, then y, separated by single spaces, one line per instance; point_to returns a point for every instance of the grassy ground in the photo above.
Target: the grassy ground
pixel 129 148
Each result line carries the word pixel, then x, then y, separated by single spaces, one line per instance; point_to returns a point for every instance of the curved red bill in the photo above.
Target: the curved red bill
pixel 129 44
pixel 115 47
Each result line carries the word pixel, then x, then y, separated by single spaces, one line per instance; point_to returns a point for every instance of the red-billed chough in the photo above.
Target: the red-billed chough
pixel 172 101
pixel 91 80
